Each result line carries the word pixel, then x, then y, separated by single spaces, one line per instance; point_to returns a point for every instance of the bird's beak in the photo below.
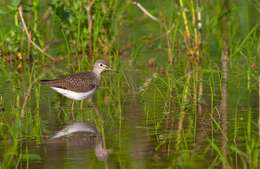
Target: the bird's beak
pixel 107 68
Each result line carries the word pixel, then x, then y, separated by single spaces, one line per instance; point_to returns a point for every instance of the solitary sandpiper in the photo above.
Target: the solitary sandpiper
pixel 79 86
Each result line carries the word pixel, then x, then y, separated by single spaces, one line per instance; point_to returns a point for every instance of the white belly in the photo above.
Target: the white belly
pixel 74 95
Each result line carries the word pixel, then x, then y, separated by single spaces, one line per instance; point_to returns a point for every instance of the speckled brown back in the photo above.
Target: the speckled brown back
pixel 79 82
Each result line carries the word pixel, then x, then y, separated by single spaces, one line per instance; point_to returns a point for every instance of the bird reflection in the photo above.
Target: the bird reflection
pixel 79 135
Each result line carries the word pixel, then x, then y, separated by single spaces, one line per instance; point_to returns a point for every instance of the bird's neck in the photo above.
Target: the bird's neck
pixel 97 72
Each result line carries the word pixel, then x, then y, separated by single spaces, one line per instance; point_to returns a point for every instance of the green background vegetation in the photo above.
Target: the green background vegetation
pixel 165 98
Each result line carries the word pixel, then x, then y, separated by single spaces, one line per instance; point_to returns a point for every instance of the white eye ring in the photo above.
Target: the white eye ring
pixel 101 64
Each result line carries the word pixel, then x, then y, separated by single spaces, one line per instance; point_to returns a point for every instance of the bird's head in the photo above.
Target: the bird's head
pixel 100 66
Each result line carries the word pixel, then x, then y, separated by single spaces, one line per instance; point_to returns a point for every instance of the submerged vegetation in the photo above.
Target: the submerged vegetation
pixel 184 90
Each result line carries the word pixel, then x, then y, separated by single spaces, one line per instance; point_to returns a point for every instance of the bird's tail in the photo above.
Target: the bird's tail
pixel 47 82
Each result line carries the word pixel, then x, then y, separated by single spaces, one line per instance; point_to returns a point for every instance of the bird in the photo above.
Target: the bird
pixel 81 85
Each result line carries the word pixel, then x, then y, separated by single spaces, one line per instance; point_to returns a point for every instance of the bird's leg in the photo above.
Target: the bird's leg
pixel 81 105
pixel 95 108
pixel 72 110
pixel 99 119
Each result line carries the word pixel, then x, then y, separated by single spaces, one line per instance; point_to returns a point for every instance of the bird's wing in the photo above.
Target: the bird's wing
pixel 80 82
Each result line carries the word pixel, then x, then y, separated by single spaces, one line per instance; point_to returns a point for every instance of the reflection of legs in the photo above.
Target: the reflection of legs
pixel 101 142
pixel 99 122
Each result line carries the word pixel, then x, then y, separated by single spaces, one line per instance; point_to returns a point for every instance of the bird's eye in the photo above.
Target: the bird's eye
pixel 101 64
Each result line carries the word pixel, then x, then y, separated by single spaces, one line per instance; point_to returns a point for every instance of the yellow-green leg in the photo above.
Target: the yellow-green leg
pixel 72 110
